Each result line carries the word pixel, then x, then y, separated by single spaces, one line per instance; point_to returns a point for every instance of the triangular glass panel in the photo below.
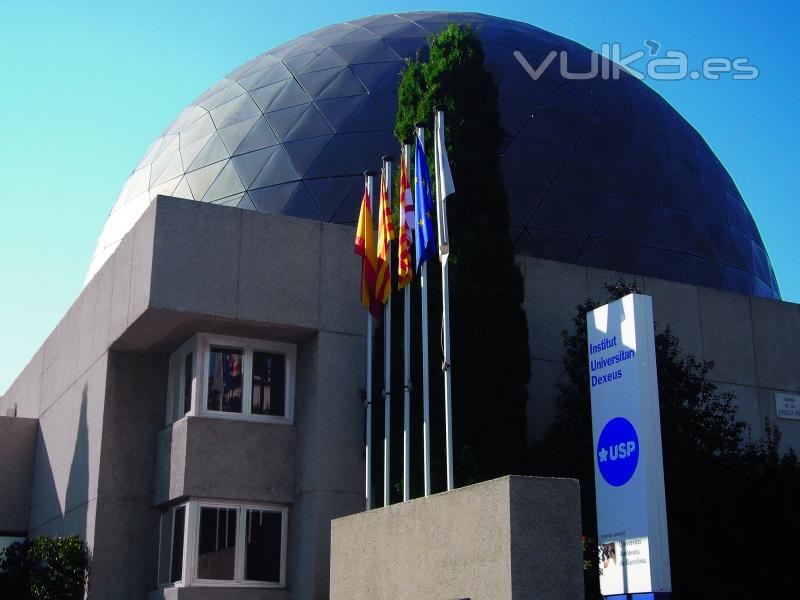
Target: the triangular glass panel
pixel 166 168
pixel 302 205
pixel 364 147
pixel 139 181
pixel 515 161
pixel 304 152
pixel 183 190
pixel 333 160
pixel 525 245
pixel 737 281
pixel 226 184
pixel 367 117
pixel 272 199
pixel 344 84
pixel 166 188
pixel 739 251
pixel 369 51
pixel 246 203
pixel 699 271
pixel 310 124
pixel 514 115
pixel 280 95
pixel 282 121
pixel 372 74
pixel 239 109
pixel 620 256
pixel 548 157
pixel 347 213
pixel 313 83
pixel 524 197
pixel 590 256
pixel 249 165
pixel 556 245
pixel 270 74
pixel 190 152
pixel 327 59
pixel 189 115
pixel 329 193
pixel 399 30
pixel 224 95
pixel 233 135
pixel 409 47
pixel 668 264
pixel 201 179
pixel 202 127
pixel 357 34
pixel 297 63
pixel 260 136
pixel 644 266
pixel 212 152
pixel 229 200
pixel 614 225
pixel 337 110
pixel 554 214
pixel 279 169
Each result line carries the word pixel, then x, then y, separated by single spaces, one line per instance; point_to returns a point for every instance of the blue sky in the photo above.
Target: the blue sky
pixel 88 85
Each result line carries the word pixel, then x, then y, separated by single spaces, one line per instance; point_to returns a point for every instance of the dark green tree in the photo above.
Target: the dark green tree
pixel 489 331
pixel 46 568
pixel 730 513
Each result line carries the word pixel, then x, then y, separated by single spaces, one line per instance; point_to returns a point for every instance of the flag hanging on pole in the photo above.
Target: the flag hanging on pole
pixel 383 286
pixel 423 206
pixel 365 248
pixel 404 271
pixel 444 185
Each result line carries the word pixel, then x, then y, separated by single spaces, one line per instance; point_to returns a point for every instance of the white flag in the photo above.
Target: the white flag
pixel 444 185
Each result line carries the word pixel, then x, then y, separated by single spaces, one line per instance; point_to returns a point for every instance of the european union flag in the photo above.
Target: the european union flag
pixel 423 207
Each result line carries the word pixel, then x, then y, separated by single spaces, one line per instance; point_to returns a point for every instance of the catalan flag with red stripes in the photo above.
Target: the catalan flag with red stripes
pixel 365 248
pixel 383 286
pixel 405 271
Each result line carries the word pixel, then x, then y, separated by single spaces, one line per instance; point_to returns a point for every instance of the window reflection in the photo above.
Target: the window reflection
pixel 216 551
pixel 187 383
pixel 225 380
pixel 263 546
pixel 269 384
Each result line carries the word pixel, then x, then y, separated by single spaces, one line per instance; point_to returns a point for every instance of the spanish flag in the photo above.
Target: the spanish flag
pixel 383 287
pixel 404 269
pixel 365 248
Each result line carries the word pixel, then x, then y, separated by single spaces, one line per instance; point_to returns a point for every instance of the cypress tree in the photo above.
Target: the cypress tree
pixel 490 357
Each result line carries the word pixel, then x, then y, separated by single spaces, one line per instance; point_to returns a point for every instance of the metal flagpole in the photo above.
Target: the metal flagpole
pixel 406 358
pixel 387 354
pixel 426 417
pixel 444 251
pixel 368 461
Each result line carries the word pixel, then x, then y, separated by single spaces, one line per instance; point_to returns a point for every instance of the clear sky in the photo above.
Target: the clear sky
pixel 88 85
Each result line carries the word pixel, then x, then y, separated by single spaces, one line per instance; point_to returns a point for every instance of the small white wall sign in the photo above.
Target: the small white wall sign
pixel 787 406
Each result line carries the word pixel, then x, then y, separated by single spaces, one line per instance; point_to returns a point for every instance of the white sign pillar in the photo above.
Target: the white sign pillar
pixel 626 432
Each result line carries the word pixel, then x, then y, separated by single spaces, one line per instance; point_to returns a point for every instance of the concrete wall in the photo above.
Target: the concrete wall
pixel 17 447
pixel 754 342
pixel 510 538
pixel 224 458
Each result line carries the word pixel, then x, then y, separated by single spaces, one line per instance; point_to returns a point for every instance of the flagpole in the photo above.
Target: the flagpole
pixel 368 461
pixel 406 361
pixel 426 417
pixel 444 251
pixel 387 356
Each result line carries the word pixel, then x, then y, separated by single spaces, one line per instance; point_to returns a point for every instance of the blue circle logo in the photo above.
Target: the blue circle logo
pixel 617 451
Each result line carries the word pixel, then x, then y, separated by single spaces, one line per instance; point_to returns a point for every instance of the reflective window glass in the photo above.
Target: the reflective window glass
pixel 263 546
pixel 225 380
pixel 216 551
pixel 176 573
pixel 188 375
pixel 269 384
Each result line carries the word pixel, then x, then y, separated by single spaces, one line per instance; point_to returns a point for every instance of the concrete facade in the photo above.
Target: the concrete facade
pixel 513 538
pixel 104 465
pixel 17 446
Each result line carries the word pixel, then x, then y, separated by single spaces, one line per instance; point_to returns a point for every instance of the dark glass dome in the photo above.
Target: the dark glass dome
pixel 603 173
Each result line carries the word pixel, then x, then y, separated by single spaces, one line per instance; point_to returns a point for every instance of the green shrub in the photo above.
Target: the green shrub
pixel 47 568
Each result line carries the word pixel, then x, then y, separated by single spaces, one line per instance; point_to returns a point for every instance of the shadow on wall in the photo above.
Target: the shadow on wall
pixel 51 516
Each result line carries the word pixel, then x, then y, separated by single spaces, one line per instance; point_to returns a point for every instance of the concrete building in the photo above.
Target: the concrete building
pixel 196 415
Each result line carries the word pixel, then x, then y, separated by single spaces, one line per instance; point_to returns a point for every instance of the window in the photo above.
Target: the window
pixel 225 544
pixel 238 378
pixel 170 558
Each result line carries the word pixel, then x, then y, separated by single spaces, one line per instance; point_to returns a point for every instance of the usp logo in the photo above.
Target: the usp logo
pixel 617 451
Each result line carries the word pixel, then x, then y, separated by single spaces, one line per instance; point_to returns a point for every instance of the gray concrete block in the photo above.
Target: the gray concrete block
pixel 68 449
pixel 279 267
pixel 60 367
pixel 121 287
pixel 25 394
pixel 170 468
pixel 17 449
pixel 104 286
pixel 481 541
pixel 776 335
pixel 552 293
pixel 305 414
pixel 677 305
pixel 339 284
pixel 542 394
pixel 339 413
pixel 240 460
pixel 77 521
pixel 142 263
pixel 217 592
pixel 195 257
pixel 728 336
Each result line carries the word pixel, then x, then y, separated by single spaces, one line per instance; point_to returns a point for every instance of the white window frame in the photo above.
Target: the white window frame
pixel 200 345
pixel 192 545
pixel 182 581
